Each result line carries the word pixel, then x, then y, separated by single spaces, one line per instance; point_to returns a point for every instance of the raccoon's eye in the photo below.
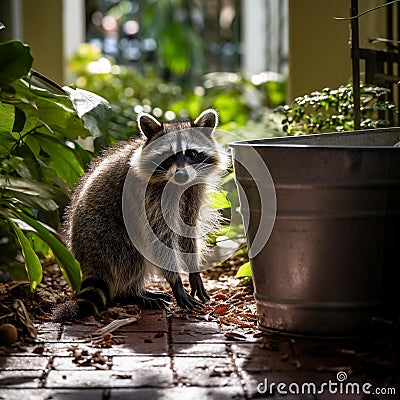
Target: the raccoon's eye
pixel 192 154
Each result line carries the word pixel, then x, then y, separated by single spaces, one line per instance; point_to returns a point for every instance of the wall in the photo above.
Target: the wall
pixel 319 51
pixel 42 30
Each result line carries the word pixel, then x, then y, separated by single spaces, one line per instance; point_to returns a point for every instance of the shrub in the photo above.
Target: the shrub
pixel 332 110
pixel 40 159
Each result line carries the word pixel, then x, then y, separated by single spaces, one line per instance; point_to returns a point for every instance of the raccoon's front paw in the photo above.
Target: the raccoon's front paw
pixel 153 301
pixel 197 287
pixel 158 295
pixel 187 302
pixel 183 298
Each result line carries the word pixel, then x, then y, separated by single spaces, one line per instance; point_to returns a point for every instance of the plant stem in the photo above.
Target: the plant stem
pixel 47 80
pixel 366 11
pixel 355 60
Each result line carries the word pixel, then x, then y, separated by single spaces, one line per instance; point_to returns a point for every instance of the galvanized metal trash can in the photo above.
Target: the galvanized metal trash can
pixel 331 264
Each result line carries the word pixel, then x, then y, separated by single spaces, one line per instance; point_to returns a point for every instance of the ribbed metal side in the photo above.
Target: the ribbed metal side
pixel 331 262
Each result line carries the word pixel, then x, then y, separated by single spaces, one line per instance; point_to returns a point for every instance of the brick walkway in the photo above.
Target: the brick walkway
pixel 168 358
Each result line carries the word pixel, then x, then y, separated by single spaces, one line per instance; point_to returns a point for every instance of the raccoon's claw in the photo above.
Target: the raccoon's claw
pixel 183 298
pixel 197 287
pixel 187 302
pixel 158 295
pixel 152 301
pixel 152 304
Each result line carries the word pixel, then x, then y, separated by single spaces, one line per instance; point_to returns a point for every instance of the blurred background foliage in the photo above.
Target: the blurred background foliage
pixel 239 99
pixel 182 39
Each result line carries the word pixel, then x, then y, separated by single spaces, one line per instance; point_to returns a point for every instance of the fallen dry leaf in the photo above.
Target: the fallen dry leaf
pixel 251 317
pixel 220 297
pixel 221 309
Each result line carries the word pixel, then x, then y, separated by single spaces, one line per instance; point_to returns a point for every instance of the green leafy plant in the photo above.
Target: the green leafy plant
pixel 41 125
pixel 332 110
pixel 244 271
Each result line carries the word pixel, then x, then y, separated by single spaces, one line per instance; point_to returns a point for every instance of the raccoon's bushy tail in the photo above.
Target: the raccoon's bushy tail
pixel 91 300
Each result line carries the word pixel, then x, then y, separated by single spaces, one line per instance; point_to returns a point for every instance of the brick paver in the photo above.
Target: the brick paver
pixel 167 358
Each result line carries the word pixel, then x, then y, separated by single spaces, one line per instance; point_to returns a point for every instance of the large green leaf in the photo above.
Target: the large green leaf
pixel 32 263
pixel 28 161
pixel 7 113
pixel 6 143
pixel 43 108
pixel 63 159
pixel 244 271
pixel 69 266
pixel 40 82
pixel 38 244
pixel 52 114
pixel 32 193
pixel 32 143
pixel 19 121
pixel 17 164
pixel 26 117
pixel 15 61
pixel 30 200
pixel 28 87
pixel 92 109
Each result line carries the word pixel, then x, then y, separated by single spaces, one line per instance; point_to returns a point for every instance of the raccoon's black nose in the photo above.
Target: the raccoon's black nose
pixel 181 176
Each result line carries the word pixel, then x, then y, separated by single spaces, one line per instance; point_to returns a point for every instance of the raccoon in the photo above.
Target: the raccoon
pixel 140 209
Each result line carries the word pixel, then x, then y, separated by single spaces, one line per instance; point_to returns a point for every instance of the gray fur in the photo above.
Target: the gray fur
pixel 94 222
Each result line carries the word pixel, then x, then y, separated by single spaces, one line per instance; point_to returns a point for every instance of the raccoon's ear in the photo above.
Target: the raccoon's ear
pixel 207 119
pixel 148 125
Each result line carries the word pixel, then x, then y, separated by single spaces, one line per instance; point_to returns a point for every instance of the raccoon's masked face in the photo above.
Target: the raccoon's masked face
pixel 179 152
